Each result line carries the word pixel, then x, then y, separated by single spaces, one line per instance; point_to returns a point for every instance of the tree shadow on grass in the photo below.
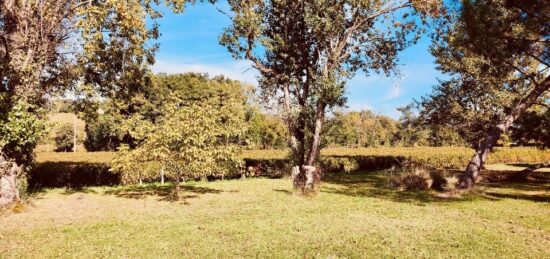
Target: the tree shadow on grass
pixel 283 191
pixel 69 191
pixel 505 185
pixel 163 192
pixel 520 196
pixel 376 185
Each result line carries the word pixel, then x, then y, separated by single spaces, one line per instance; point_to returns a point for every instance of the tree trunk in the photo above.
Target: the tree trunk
pixel 316 142
pixel 162 175
pixel 468 179
pixel 176 191
pixel 8 182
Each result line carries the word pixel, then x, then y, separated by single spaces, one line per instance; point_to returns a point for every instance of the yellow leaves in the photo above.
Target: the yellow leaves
pixel 431 8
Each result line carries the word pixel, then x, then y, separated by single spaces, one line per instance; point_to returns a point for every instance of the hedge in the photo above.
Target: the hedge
pixel 90 169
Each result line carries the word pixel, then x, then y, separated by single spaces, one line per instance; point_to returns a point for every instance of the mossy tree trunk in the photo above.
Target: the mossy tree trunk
pixel 9 192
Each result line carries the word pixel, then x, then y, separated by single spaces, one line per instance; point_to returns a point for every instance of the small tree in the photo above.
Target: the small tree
pixel 64 141
pixel 189 140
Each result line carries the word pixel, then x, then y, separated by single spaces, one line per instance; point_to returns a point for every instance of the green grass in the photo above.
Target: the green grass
pixel 353 215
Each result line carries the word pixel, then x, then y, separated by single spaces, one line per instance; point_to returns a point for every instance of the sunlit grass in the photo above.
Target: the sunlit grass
pixel 353 215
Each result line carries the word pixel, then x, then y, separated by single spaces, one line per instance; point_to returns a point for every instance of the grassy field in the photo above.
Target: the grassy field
pixel 353 215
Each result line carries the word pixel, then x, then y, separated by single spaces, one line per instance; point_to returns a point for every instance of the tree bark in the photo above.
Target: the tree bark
pixel 8 182
pixel 314 149
pixel 176 191
pixel 468 179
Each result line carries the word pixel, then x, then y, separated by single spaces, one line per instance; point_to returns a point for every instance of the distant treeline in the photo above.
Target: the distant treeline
pixel 105 120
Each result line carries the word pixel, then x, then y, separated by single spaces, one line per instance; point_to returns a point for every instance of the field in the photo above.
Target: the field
pixel 354 215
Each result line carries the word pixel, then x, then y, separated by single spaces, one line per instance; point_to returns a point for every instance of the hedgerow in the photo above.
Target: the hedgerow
pixel 83 169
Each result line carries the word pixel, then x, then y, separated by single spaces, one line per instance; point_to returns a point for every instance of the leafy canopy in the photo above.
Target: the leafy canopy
pixel 195 133
pixel 306 50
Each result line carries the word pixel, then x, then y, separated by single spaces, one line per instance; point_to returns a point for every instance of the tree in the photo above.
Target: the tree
pixel 45 46
pixel 193 136
pixel 359 129
pixel 410 131
pixel 497 53
pixel 306 50
pixel 533 128
pixel 64 138
pixel 103 132
pixel 265 131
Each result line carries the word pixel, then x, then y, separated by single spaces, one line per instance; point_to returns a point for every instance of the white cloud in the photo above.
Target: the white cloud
pixel 238 70
pixel 394 92
pixel 358 107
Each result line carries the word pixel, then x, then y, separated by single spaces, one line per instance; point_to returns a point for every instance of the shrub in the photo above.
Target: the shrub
pixel 64 138
pixel 417 180
pixel 337 164
pixel 71 174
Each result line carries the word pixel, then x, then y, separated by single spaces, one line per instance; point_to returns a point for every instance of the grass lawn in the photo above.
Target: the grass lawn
pixel 353 215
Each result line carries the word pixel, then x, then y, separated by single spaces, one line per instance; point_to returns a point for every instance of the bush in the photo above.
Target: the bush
pixel 417 180
pixel 64 138
pixel 71 174
pixel 337 164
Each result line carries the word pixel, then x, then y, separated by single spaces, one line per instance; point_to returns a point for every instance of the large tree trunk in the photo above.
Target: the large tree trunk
pixel 8 182
pixel 316 142
pixel 468 179
pixel 305 176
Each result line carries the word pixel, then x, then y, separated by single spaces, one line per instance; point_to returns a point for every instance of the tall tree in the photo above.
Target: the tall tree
pixel 498 55
pixel 45 45
pixel 411 132
pixel 306 50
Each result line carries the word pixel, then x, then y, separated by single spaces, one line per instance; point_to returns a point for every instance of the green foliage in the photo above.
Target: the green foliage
pixel 71 174
pixel 410 133
pixel 90 169
pixel 195 133
pixel 307 50
pixel 20 131
pixel 359 129
pixel 104 118
pixel 495 57
pixel 118 45
pixel 103 133
pixel 265 131
pixel 533 128
pixel 64 138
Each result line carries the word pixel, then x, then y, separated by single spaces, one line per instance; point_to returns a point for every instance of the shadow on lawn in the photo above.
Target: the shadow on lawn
pixel 373 185
pixel 164 192
pixel 376 185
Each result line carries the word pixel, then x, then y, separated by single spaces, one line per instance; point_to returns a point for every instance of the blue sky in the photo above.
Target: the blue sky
pixel 189 43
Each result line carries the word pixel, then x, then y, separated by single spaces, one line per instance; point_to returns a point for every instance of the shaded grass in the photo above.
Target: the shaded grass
pixel 353 215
